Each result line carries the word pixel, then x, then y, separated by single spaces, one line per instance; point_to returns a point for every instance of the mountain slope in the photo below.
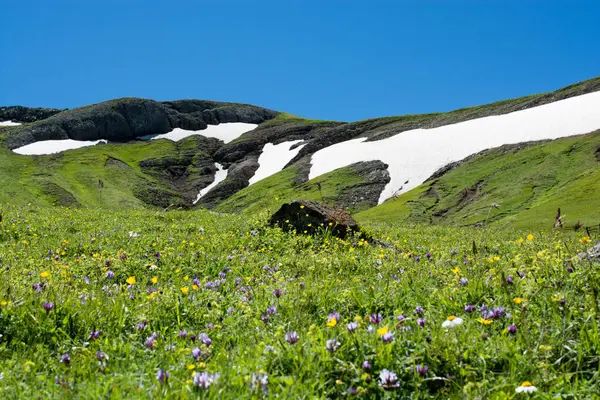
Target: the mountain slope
pixel 519 185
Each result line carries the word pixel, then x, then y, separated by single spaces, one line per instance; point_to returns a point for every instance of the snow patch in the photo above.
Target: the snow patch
pixel 54 146
pixel 225 132
pixel 273 158
pixel 220 176
pixel 9 123
pixel 413 156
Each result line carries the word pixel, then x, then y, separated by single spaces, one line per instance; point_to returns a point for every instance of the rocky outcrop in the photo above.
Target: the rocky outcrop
pixel 310 217
pixel 125 119
pixel 26 114
pixel 592 254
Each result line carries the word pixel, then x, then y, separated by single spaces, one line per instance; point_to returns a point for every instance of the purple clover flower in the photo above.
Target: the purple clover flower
pixel 375 318
pixel 421 322
pixel 205 339
pixel 48 306
pixel 332 345
pixel 509 280
pixel 271 310
pixel 292 337
pixel 388 379
pixel 419 310
pixel 422 370
pixel 162 376
pixel 110 274
pixel 388 337
pixel 277 293
pixel 196 353
pixel 366 366
pixel 512 329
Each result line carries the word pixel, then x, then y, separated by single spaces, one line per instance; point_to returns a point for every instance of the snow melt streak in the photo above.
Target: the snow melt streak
pixel 220 176
pixel 54 146
pixel 9 123
pixel 225 132
pixel 273 158
pixel 415 155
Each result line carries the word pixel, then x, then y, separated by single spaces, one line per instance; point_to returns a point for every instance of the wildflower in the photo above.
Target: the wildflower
pixel 277 293
pixel 292 337
pixel 154 280
pixel 419 310
pixel 204 379
pixel 485 321
pixel 512 329
pixel 38 287
pixel 269 349
pixel 210 326
pixel 196 281
pixel 509 279
pixel 387 337
pixel 332 345
pixel 150 342
pixel 265 319
pixel 370 329
pixel 417 259
pixel 94 335
pixel 382 331
pixel 331 322
pixel 422 369
pixel 452 321
pixel 366 366
pixel 428 255
pixel 469 308
pixel 259 381
pixel 196 353
pixel 352 326
pixel 526 387
pixel 205 339
pixel 162 376
pixel 421 321
pixel 65 359
pixel 142 325
pixel 131 280
pixel 375 318
pixel 133 234
pixel 185 290
pixel 48 306
pixel 518 300
pixel 110 274
pixel 570 269
pixel 271 310
pixel 45 274
pixel 456 270
pixel 463 281
pixel 400 318
pixel 585 239
pixel 100 355
pixel 388 379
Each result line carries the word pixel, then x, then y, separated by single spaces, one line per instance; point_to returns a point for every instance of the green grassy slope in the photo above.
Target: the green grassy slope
pixel 270 193
pixel 528 185
pixel 106 176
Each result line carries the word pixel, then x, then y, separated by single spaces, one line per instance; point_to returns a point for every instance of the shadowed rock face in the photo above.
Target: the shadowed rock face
pixel 309 217
pixel 125 119
pixel 26 114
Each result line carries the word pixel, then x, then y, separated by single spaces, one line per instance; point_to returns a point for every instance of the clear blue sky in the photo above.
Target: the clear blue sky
pixel 344 60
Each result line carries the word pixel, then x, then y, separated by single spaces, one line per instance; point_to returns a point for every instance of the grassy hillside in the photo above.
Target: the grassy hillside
pixel 528 185
pixel 270 193
pixel 105 176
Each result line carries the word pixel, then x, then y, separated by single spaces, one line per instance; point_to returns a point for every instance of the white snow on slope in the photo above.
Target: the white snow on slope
pixel 220 176
pixel 54 146
pixel 273 158
pixel 415 155
pixel 225 132
pixel 9 123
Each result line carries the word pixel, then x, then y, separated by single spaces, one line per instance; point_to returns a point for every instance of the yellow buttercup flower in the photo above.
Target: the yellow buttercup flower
pixel 518 300
pixel 45 274
pixel 131 280
pixel 185 290
pixel 332 322
pixel 382 331
pixel 485 321
pixel 530 237
pixel 154 280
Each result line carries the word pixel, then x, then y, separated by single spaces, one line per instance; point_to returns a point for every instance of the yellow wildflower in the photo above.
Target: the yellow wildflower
pixel 382 331
pixel 154 280
pixel 518 300
pixel 131 280
pixel 45 274
pixel 332 322
pixel 485 321
pixel 530 237
pixel 185 290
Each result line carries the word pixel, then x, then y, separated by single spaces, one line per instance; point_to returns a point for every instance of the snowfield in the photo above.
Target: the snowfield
pixel 220 176
pixel 9 123
pixel 413 156
pixel 54 146
pixel 225 132
pixel 273 158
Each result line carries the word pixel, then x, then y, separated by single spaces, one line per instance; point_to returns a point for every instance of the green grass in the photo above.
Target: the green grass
pixel 529 185
pixel 270 193
pixel 68 252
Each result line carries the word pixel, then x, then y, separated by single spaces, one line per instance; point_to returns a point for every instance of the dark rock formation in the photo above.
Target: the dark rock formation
pixel 26 114
pixel 125 119
pixel 310 217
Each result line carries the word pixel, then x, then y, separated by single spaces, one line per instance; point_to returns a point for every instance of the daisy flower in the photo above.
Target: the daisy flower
pixel 452 321
pixel 526 387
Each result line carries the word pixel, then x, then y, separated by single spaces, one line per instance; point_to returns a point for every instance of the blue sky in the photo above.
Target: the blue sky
pixel 343 60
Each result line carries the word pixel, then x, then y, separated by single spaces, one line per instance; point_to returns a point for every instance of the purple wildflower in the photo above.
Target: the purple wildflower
pixel 162 376
pixel 205 339
pixel 375 318
pixel 512 329
pixel 332 345
pixel 38 287
pixel 204 380
pixel 196 353
pixel 366 366
pixel 428 255
pixel 65 359
pixel 463 281
pixel 388 379
pixel 142 325
pixel 417 259
pixel 100 355
pixel 422 369
pixel 509 279
pixel 292 337
pixel 421 321
pixel 419 310
pixel 277 293
pixel 265 318
pixel 110 274
pixel 570 269
pixel 183 334
pixel 271 310
pixel 352 326
pixel 259 381
pixel 237 281
pixel 94 335
pixel 333 315
pixel 387 337
pixel 230 310
pixel 48 306
pixel 400 318
pixel 469 308
pixel 210 326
